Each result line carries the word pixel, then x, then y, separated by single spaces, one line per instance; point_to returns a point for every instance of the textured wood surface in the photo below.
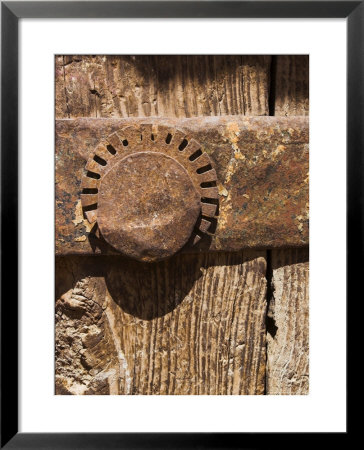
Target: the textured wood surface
pixel 288 320
pixel 290 84
pixel 168 86
pixel 288 325
pixel 192 324
pixel 189 325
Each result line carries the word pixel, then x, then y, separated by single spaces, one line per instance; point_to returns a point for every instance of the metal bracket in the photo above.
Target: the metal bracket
pixel 151 187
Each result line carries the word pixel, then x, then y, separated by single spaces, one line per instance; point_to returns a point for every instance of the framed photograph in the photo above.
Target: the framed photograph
pixel 180 181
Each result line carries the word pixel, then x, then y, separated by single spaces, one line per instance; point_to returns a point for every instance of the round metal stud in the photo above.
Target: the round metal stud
pixel 150 191
pixel 147 206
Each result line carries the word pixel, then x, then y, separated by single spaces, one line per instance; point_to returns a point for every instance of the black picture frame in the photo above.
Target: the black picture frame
pixel 11 12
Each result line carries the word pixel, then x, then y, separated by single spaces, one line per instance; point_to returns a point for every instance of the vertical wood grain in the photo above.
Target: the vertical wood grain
pixel 288 336
pixel 288 333
pixel 194 324
pixel 163 86
pixel 191 325
pixel 291 85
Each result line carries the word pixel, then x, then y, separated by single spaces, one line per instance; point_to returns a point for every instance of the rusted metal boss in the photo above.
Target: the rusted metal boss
pixel 149 189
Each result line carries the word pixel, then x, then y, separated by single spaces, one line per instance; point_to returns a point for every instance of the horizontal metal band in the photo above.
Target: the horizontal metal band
pixel 262 168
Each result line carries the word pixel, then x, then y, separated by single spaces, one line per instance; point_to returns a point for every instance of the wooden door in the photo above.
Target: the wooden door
pixel 197 323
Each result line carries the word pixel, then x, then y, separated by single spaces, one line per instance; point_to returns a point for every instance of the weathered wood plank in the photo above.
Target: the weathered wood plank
pixel 189 325
pixel 291 85
pixel 203 316
pixel 288 318
pixel 61 106
pixel 288 346
pixel 164 86
pixel 256 80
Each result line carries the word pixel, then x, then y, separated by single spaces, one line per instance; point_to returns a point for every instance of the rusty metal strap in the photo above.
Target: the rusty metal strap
pixel 262 180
